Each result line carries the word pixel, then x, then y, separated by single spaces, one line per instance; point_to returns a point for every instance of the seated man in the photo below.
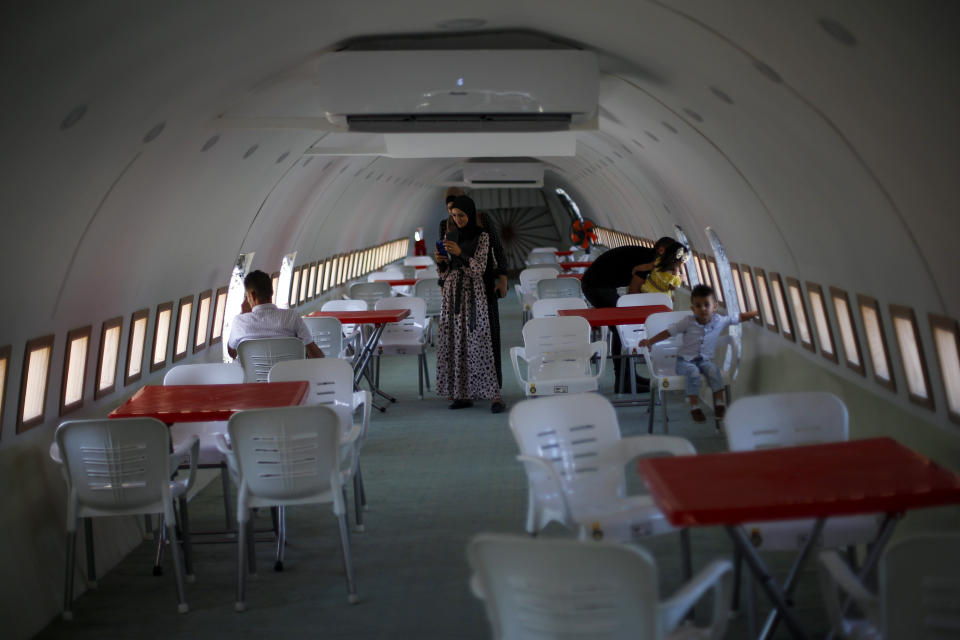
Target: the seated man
pixel 265 319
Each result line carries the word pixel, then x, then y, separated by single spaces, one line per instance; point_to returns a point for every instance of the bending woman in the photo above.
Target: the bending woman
pixel 465 369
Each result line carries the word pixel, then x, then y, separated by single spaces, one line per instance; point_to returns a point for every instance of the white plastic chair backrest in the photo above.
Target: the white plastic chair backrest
pixel 548 308
pixel 327 334
pixel 116 466
pixel 574 432
pixel 259 355
pixel 542 588
pixel 426 274
pixel 331 384
pixel 663 355
pixel 414 261
pixel 542 258
pixel 429 289
pixel 204 373
pixel 543 336
pixel 410 327
pixel 920 587
pixel 658 322
pixel 346 305
pixel 558 288
pixel 530 277
pixel 785 420
pixel 287 453
pixel 549 250
pixel 386 274
pixel 370 291
pixel 645 299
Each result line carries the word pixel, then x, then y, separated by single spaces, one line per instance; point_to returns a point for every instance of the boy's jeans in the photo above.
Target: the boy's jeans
pixel 692 370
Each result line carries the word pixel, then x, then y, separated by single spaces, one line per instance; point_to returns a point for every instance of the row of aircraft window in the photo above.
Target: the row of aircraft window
pixel 308 282
pixel 757 289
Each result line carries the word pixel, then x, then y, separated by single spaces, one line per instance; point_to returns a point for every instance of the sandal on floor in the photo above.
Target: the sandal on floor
pixel 697 415
pixel 720 410
pixel 497 406
pixel 461 404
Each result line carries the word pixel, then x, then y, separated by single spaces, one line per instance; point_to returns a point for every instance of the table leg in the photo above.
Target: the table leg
pixel 366 351
pixel 762 574
pixel 770 625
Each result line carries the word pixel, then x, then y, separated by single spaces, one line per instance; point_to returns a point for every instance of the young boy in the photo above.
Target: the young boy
pixel 699 340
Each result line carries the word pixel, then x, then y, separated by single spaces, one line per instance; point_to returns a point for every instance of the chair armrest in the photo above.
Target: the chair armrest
pixel 600 348
pixel 716 576
pixel 192 446
pixel 542 464
pixel 633 446
pixel 837 576
pixel 515 354
pixel 363 398
pixel 228 453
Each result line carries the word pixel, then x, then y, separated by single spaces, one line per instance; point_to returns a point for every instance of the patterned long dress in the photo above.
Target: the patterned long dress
pixel 465 369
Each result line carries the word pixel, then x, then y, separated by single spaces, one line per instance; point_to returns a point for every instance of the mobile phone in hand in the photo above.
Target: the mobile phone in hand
pixel 442 250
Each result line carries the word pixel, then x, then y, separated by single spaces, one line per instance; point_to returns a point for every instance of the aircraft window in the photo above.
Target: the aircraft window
pixel 697 267
pixel 353 266
pixel 776 287
pixel 317 289
pixel 106 381
pixel 876 341
pixel 136 341
pixel 219 313
pixel 749 291
pixel 911 355
pixel 800 313
pixel 74 369
pixel 4 374
pixel 342 270
pixel 334 270
pixel 738 285
pixel 326 275
pixel 685 275
pixel 768 316
pixel 705 270
pixel 161 336
pixel 182 331
pixel 294 288
pixel 203 321
pixel 304 283
pixel 848 331
pixel 33 385
pixel 946 339
pixel 274 284
pixel 819 310
pixel 715 278
pixel 367 261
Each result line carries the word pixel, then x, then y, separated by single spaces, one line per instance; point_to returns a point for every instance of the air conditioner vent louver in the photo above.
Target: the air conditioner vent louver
pixel 459 123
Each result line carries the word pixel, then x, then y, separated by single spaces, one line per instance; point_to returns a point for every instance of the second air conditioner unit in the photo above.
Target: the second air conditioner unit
pixel 504 173
pixel 458 91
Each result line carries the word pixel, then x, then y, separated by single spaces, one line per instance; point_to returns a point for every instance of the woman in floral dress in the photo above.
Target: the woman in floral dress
pixel 465 368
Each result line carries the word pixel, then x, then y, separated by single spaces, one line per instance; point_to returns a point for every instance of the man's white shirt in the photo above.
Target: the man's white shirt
pixel 268 321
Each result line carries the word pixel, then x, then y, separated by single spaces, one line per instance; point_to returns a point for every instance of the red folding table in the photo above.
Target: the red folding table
pixel 877 475
pixel 566 266
pixel 208 402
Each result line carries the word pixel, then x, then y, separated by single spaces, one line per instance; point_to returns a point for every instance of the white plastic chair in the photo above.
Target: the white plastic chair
pixel 661 361
pixel 424 274
pixel 573 589
pixel 417 261
pixel 429 289
pixel 370 292
pixel 352 333
pixel 259 355
pixel 386 274
pixel 327 333
pixel 285 457
pixel 541 257
pixel 122 467
pixel 331 385
pixel 557 352
pixel 409 336
pixel 558 288
pixel 527 287
pixel 548 308
pixel 574 458
pixel 788 420
pixel 632 334
pixel 918 595
pixel 207 432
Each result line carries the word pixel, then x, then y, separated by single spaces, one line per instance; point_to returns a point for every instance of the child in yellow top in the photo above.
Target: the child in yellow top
pixel 665 276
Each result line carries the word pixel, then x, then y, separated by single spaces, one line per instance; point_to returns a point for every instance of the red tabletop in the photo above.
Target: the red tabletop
pixel 420 266
pixel 563 253
pixel 578 276
pixel 575 265
pixel 402 283
pixel 203 402
pixel 612 316
pixel 878 475
pixel 382 316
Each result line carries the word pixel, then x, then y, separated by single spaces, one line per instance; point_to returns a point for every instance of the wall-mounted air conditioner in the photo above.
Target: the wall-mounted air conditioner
pixel 457 91
pixel 505 173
